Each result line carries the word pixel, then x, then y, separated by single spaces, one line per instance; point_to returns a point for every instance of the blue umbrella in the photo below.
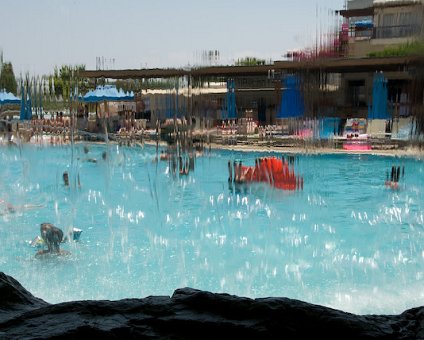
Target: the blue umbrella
pixel 8 98
pixel 106 93
pixel 379 98
pixel 35 96
pixel 292 104
pixel 28 115
pixel 22 115
pixel 231 99
pixel 40 102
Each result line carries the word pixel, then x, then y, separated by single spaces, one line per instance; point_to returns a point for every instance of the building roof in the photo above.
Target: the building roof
pixel 359 12
pixel 396 3
pixel 369 11
pixel 336 65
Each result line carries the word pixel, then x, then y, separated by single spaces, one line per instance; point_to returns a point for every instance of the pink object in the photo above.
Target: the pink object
pixel 304 133
pixel 356 146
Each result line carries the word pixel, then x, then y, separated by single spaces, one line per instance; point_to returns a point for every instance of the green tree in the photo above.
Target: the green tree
pixel 65 79
pixel 7 78
pixel 408 49
pixel 61 83
pixel 249 61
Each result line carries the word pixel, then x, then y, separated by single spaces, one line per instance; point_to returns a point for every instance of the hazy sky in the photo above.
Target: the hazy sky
pixel 39 34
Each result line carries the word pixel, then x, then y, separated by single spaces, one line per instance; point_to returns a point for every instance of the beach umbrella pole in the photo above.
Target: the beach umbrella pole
pixel 104 122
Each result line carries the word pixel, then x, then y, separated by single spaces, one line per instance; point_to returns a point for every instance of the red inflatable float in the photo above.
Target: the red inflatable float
pixel 274 171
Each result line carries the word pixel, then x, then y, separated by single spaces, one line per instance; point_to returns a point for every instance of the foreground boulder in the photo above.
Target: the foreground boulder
pixel 195 314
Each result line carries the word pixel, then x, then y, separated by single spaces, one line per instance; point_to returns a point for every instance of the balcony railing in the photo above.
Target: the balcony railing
pixel 363 33
pixel 388 32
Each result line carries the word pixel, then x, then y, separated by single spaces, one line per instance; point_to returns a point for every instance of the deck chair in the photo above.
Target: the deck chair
pixel 376 128
pixel 402 129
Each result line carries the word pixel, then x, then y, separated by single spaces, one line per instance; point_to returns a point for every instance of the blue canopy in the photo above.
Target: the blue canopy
pixel 107 93
pixel 292 104
pixel 366 23
pixel 8 98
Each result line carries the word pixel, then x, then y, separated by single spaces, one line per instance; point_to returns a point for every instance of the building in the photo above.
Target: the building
pixel 375 26
pixel 379 28
pixel 337 81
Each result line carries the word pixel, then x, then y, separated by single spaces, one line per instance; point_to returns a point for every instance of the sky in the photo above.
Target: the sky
pixel 130 34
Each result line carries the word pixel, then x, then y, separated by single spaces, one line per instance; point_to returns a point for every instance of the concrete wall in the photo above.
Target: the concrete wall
pixel 413 14
pixel 361 48
pixel 358 4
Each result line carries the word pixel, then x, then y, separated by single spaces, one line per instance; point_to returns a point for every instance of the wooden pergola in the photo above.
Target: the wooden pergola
pixel 339 65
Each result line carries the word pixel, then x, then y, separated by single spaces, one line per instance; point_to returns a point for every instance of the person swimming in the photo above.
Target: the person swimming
pixel 87 159
pixel 191 161
pixel 65 177
pixel 241 176
pixel 394 177
pixel 9 208
pixel 230 177
pixel 236 172
pixel 52 237
pixel 230 172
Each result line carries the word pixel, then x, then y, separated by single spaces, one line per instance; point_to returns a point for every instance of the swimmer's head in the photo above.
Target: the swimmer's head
pixel 66 178
pixel 104 155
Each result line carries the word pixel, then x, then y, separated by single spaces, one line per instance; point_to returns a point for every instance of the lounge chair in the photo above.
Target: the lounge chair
pixel 377 128
pixel 402 129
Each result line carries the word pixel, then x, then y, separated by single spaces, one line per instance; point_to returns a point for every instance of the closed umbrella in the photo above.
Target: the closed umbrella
pixel 231 99
pixel 29 105
pixel 292 103
pixel 23 104
pixel 379 98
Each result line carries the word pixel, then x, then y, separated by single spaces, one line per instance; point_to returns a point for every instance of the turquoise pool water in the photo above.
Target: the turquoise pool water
pixel 345 241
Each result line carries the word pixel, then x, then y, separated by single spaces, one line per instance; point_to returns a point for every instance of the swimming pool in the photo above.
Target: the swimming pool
pixel 344 241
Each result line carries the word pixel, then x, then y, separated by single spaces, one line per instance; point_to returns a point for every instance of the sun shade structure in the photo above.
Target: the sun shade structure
pixel 8 98
pixel 107 93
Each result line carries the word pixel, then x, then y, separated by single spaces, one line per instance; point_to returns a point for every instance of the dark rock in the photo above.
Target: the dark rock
pixel 15 298
pixel 192 314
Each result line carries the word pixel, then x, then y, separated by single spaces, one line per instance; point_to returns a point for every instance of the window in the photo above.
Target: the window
pixel 389 20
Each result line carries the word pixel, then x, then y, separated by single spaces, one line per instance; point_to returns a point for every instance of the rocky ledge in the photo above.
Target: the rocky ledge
pixel 192 314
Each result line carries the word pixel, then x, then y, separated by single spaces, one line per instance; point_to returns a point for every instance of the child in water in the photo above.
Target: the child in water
pixel 52 237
